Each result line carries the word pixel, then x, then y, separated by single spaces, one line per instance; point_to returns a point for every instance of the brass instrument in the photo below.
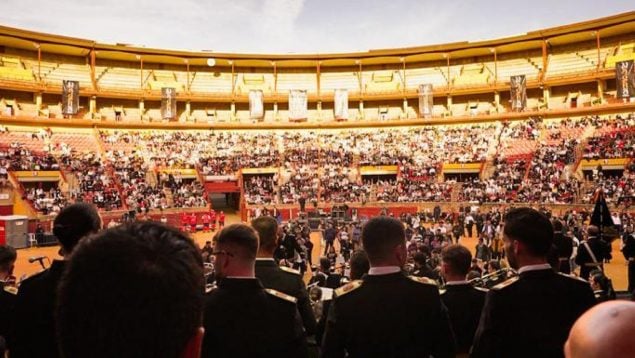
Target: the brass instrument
pixel 483 281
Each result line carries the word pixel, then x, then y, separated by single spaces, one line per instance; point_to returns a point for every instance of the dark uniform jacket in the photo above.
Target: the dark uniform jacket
pixel 7 302
pixel 33 335
pixel 531 315
pixel 564 250
pixel 601 250
pixel 464 303
pixel 290 282
pixel 243 319
pixel 389 315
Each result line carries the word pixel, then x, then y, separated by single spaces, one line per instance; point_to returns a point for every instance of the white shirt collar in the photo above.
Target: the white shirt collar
pixel 457 283
pixel 383 270
pixel 241 277
pixel 534 268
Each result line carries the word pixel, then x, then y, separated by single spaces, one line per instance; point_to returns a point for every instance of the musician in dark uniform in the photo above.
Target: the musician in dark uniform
pixel 530 315
pixel 463 301
pixel 280 278
pixel 33 335
pixel 629 254
pixel 387 314
pixel 563 247
pixel 136 290
pixel 243 318
pixel 601 251
pixel 8 292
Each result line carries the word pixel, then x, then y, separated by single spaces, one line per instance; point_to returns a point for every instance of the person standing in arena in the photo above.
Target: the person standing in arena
pixel 221 220
pixel 280 278
pixel 387 314
pixel 564 247
pixel 530 315
pixel 33 334
pixel 592 252
pixel 243 318
pixel 463 301
pixel 629 254
pixel 148 303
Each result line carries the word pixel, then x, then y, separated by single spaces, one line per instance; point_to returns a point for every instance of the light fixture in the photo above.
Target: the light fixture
pixel 211 62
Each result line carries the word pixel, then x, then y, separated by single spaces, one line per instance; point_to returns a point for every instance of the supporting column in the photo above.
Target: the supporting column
pixel 497 101
pixel 232 111
pixel 449 112
pixel 546 96
pixel 405 108
pixel 188 110
pixel 319 110
pixel 92 107
pixel 601 88
pixel 275 112
pixel 37 98
pixel 142 108
pixel 361 109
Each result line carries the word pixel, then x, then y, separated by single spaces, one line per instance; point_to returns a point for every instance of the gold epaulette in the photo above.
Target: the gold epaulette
pixel 423 280
pixel 290 270
pixel 349 287
pixel 281 295
pixel 10 289
pixel 573 277
pixel 505 283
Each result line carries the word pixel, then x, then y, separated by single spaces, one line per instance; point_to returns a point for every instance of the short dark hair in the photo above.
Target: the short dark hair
pixel 74 222
pixel 136 290
pixel 243 238
pixel 380 235
pixel 530 227
pixel 267 228
pixel 458 258
pixel 359 264
pixel 8 255
pixel 325 264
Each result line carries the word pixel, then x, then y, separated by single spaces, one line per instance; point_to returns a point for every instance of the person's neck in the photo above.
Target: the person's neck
pixel 454 278
pixel 385 263
pixel 530 261
pixel 242 272
pixel 264 255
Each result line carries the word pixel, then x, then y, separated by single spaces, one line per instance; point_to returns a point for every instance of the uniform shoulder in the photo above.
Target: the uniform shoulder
pixel 281 295
pixel 505 284
pixel 423 280
pixel 290 270
pixel 481 289
pixel 209 288
pixel 348 288
pixel 10 290
pixel 573 278
pixel 31 279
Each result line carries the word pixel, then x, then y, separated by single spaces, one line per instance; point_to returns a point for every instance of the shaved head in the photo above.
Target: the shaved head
pixel 605 331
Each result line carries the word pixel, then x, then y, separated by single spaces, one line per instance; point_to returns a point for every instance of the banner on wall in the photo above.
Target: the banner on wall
pixel 70 97
pixel 256 106
pixel 341 104
pixel 168 103
pixel 426 100
pixel 625 79
pixel 518 92
pixel 298 105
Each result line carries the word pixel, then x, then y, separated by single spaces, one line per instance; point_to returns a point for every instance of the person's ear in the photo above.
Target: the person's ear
pixel 518 247
pixel 193 347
